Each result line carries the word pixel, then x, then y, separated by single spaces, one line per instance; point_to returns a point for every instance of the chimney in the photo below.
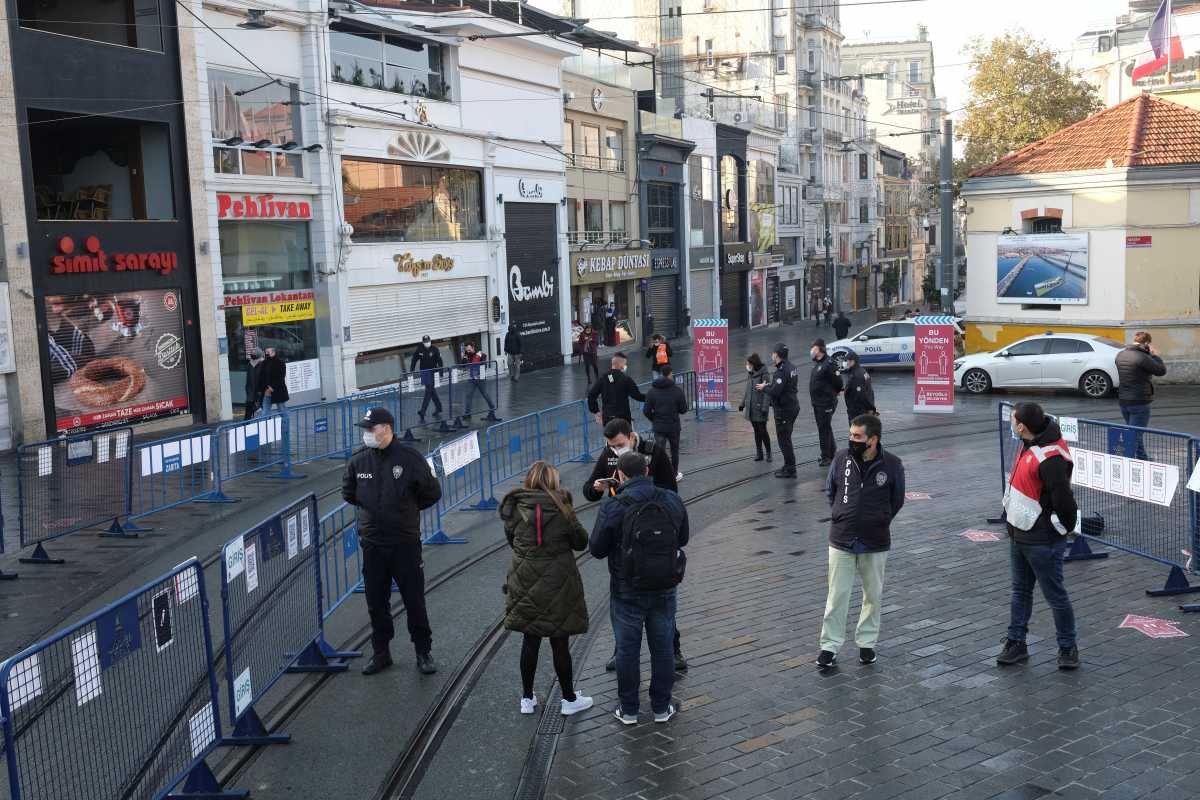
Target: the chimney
pixel 923 33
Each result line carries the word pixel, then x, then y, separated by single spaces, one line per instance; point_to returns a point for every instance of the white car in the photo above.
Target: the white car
pixel 1048 361
pixel 884 344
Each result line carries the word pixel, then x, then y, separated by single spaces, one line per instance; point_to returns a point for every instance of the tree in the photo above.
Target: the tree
pixel 1020 93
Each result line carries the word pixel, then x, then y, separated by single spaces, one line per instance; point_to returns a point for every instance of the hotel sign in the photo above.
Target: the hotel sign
pixel 609 265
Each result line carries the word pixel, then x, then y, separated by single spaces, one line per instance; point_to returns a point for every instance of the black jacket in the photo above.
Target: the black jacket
pixel 756 405
pixel 1056 498
pixel 657 461
pixel 860 395
pixel 841 326
pixel 783 390
pixel 665 402
pixel 272 374
pixel 252 373
pixel 426 358
pixel 605 541
pixel 864 498
pixel 512 342
pixel 1135 366
pixel 652 351
pixel 391 487
pixel 613 390
pixel 824 384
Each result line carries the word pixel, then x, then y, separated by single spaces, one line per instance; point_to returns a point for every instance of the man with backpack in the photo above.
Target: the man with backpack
pixel 642 531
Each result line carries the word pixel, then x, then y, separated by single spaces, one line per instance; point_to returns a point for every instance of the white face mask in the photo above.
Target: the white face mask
pixel 369 439
pixel 620 451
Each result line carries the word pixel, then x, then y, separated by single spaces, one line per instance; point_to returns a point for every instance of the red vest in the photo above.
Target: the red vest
pixel 1022 502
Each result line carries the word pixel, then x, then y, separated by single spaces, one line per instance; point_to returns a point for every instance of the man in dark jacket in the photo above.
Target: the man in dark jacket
pixel 613 391
pixel 1136 366
pixel 665 403
pixel 860 395
pixel 272 382
pixel 390 484
pixel 865 488
pixel 253 369
pixel 512 349
pixel 841 325
pixel 1040 511
pixel 632 610
pixel 782 391
pixel 428 359
pixel 823 388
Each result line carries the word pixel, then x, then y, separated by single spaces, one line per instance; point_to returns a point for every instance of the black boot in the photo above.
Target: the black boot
pixel 759 457
pixel 1014 652
pixel 785 472
pixel 426 664
pixel 378 663
pixel 768 455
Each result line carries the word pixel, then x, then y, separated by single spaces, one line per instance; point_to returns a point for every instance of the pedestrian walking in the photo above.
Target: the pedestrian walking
pixel 642 532
pixel 756 406
pixel 860 395
pixel 428 359
pixel 610 325
pixel 665 403
pixel 544 596
pixel 828 310
pixel 659 353
pixel 390 484
pixel 253 370
pixel 1040 511
pixel 782 392
pixel 1137 365
pixel 823 388
pixel 475 362
pixel 512 352
pixel 272 382
pixel 620 438
pixel 865 488
pixel 589 346
pixel 841 325
pixel 608 398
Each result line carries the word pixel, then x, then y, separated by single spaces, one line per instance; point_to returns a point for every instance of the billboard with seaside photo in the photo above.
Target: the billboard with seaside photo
pixel 1042 269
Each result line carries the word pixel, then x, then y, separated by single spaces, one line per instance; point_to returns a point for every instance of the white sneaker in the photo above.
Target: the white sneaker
pixel 580 703
pixel 528 704
pixel 628 719
pixel 665 716
pixel 678 476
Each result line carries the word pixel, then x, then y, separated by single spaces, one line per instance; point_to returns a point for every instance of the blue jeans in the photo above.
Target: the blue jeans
pixel 630 612
pixel 268 405
pixel 1040 563
pixel 1137 416
pixel 476 385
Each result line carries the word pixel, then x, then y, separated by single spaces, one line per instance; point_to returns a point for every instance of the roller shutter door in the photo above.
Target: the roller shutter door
pixel 664 305
pixel 400 314
pixel 731 298
pixel 702 295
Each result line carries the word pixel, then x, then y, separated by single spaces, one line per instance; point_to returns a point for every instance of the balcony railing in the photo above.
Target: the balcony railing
pixel 614 238
pixel 601 163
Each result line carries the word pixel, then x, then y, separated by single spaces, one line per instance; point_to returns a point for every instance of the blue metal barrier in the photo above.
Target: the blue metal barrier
pixel 416 410
pixel 341 558
pixel 243 448
pixel 71 484
pixel 473 388
pixel 170 472
pixel 121 704
pixel 4 576
pixel 271 613
pixel 566 433
pixel 320 430
pixel 511 449
pixel 712 390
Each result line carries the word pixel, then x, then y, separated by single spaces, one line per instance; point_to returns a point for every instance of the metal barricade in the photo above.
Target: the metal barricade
pixel 566 433
pixel 687 380
pixel 424 401
pixel 121 704
pixel 511 448
pixel 271 613
pixel 71 484
pixel 712 390
pixel 4 576
pixel 243 448
pixel 320 430
pixel 341 559
pixel 171 472
pixel 473 388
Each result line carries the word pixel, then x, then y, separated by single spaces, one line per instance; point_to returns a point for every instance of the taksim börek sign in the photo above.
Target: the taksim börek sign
pixel 933 365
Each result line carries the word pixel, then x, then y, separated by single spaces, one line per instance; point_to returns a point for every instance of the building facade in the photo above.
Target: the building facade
pixel 895 277
pixel 703 194
pixel 663 152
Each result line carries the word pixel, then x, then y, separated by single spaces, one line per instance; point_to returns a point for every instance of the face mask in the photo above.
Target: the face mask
pixel 858 449
pixel 620 451
pixel 814 353
pixel 1016 434
pixel 369 439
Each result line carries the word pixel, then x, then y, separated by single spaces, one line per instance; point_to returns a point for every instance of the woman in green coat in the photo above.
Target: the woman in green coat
pixel 756 405
pixel 544 591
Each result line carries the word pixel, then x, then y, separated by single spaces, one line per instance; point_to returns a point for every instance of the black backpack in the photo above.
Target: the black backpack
pixel 650 556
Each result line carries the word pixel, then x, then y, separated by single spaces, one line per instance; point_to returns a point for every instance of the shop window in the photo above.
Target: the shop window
pixel 243 107
pixel 100 168
pixel 660 215
pixel 387 201
pixel 593 220
pixel 700 201
pixel 731 228
pixel 616 217
pixel 614 150
pixel 1042 225
pixel 130 23
pixel 391 63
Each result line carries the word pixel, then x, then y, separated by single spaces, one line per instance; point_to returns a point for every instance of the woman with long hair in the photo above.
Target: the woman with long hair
pixel 544 591
pixel 756 405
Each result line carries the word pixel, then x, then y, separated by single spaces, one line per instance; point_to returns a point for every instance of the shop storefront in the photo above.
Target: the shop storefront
pixel 663 304
pixel 734 227
pixel 702 263
pixel 606 287
pixel 737 262
pixel 269 298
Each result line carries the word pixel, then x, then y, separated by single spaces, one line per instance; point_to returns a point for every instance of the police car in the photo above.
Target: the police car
pixel 1046 361
pixel 884 344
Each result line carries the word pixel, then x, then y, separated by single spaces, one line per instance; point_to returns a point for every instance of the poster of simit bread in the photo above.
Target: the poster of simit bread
pixel 116 358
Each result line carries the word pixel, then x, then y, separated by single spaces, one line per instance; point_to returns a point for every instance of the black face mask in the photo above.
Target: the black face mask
pixel 858 449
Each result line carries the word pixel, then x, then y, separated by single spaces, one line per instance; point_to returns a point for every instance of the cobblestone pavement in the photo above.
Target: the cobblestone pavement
pixel 934 717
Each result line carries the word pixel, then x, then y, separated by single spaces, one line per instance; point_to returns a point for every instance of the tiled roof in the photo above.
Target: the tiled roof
pixel 1144 131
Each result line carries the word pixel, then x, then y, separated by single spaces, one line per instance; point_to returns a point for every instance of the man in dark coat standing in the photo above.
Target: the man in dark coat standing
pixel 609 396
pixel 1136 366
pixel 428 359
pixel 782 392
pixel 841 325
pixel 823 388
pixel 272 382
pixel 665 403
pixel 253 368
pixel 860 395
pixel 512 349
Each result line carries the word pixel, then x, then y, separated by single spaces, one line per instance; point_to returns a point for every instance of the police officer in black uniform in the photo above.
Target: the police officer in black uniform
pixel 824 384
pixel 860 395
pixel 782 391
pixel 391 484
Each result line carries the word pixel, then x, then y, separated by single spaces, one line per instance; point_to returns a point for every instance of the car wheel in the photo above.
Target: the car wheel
pixel 839 360
pixel 976 381
pixel 1095 383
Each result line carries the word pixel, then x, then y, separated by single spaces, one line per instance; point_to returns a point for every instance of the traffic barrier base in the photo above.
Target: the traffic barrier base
pixel 314 659
pixel 439 537
pixel 250 730
pixel 1080 551
pixel 8 576
pixel 201 784
pixel 40 556
pixel 1177 583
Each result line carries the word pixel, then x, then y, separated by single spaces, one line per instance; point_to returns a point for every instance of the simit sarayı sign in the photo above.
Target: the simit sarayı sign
pixel 262 206
pixel 93 258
